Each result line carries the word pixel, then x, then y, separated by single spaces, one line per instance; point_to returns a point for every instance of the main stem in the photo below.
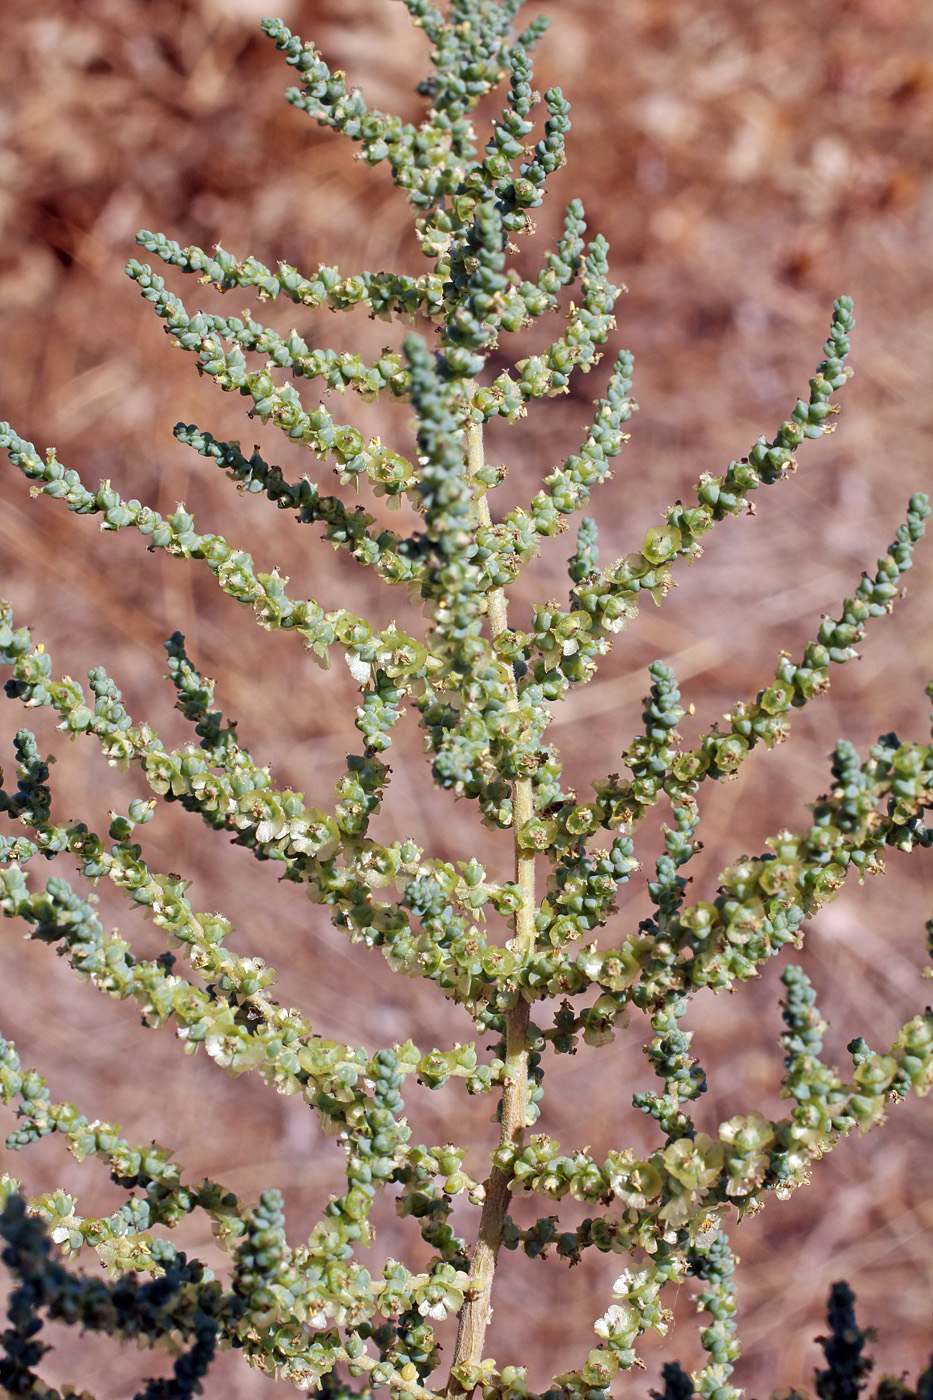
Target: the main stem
pixel 476 1311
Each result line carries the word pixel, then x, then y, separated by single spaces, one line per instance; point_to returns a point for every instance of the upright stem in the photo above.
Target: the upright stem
pixel 476 1311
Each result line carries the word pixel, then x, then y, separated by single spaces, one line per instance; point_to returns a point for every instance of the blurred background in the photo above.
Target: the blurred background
pixel 748 163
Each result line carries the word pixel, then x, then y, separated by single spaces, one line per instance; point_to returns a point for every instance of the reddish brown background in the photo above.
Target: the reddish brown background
pixel 748 163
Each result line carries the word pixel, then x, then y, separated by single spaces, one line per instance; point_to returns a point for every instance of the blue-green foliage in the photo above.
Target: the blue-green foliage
pixel 311 1312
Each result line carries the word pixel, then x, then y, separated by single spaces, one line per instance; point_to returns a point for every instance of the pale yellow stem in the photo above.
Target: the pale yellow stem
pixel 475 1314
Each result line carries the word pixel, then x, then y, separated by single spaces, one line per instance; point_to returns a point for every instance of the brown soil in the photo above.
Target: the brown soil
pixel 748 163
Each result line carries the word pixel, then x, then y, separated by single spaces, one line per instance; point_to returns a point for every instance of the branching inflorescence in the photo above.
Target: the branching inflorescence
pixel 485 692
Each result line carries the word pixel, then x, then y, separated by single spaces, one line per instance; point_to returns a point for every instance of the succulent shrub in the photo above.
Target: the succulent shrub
pixel 540 962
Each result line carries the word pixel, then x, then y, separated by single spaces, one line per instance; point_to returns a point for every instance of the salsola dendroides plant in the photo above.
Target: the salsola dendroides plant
pixel 539 961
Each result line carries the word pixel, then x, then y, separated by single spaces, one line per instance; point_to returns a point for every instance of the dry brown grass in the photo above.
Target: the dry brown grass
pixel 748 163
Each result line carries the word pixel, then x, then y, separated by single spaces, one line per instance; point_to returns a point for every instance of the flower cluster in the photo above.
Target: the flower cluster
pixel 538 962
